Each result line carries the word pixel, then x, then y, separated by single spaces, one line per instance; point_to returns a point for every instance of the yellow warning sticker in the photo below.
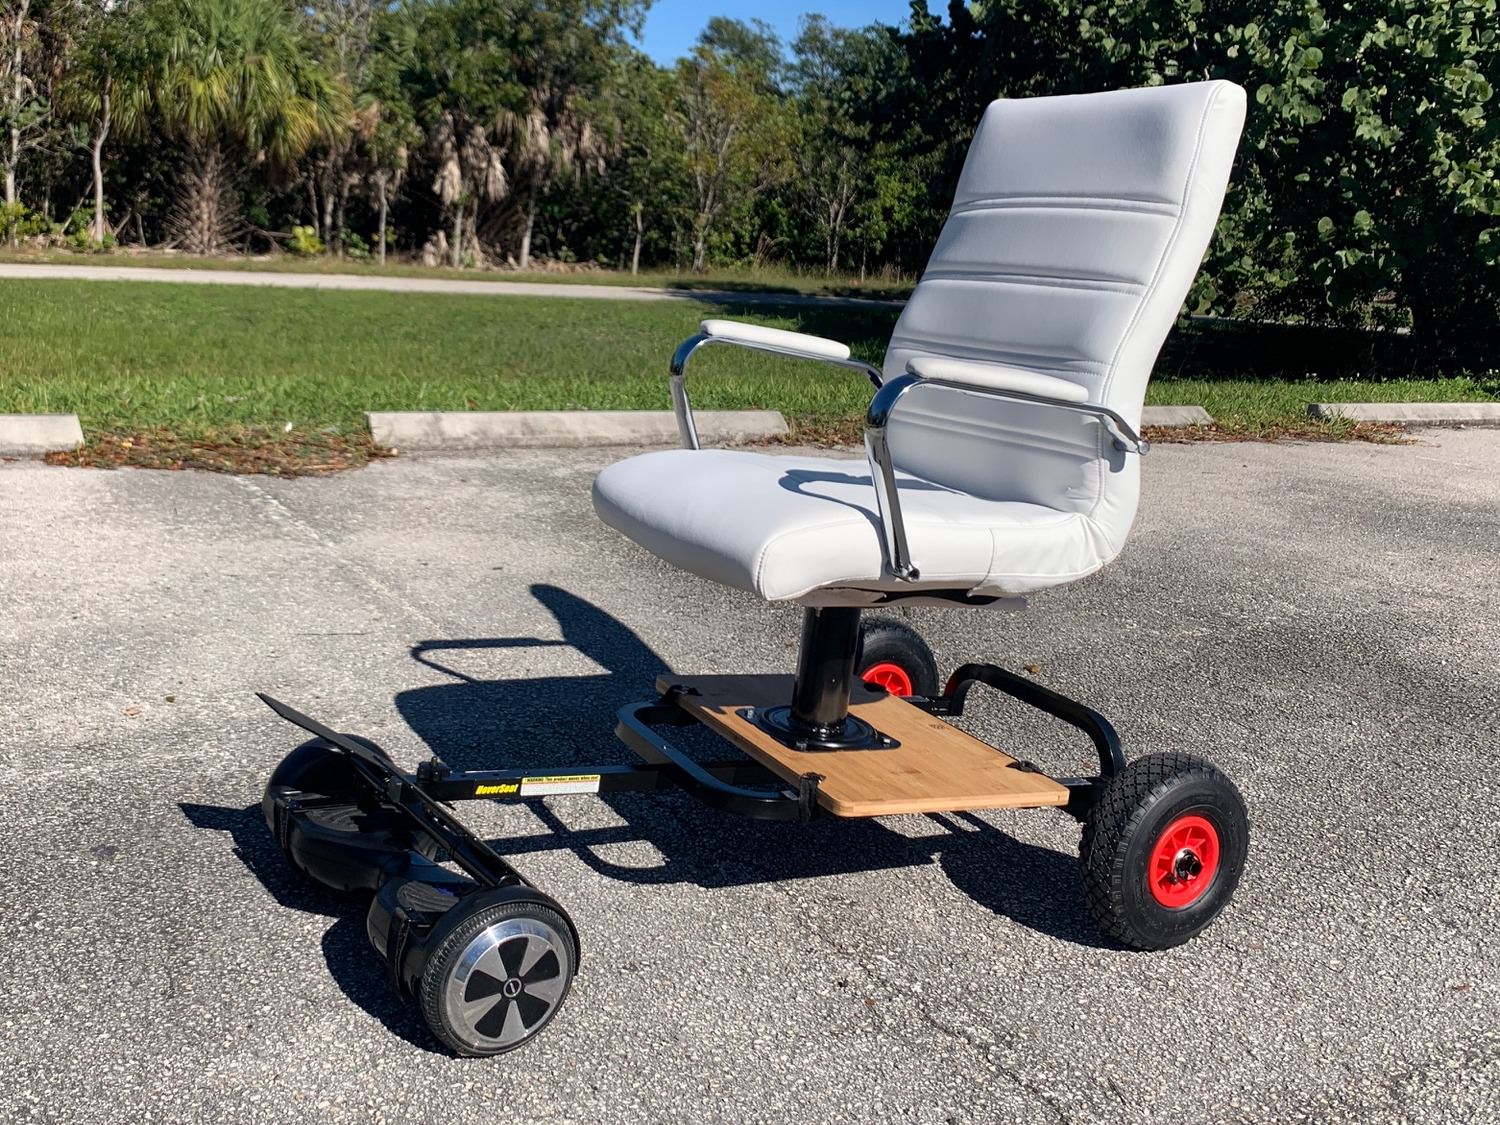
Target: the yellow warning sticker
pixel 560 783
pixel 504 789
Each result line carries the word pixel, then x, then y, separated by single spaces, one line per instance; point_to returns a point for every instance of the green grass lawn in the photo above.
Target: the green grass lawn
pixel 197 358
pixel 197 361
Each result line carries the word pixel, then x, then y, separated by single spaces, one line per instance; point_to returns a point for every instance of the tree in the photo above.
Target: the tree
pixel 458 78
pixel 234 80
pixel 548 140
pixel 730 123
pixel 830 80
pixel 1367 191
pixel 565 51
pixel 470 172
pixel 34 37
pixel 347 34
pixel 387 154
pixel 385 104
pixel 1370 168
pixel 508 91
pixel 1375 151
pixel 105 88
pixel 646 171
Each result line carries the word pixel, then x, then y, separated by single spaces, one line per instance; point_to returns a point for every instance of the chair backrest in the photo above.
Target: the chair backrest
pixel 1076 231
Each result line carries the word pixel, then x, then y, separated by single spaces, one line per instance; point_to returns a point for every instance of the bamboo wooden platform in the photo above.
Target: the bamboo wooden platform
pixel 937 767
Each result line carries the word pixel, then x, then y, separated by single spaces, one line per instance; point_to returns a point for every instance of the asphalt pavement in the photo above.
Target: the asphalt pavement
pixel 1321 620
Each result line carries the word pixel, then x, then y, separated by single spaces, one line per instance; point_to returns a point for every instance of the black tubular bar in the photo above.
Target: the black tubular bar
pixel 473 855
pixel 726 785
pixel 420 797
pixel 513 785
pixel 1086 719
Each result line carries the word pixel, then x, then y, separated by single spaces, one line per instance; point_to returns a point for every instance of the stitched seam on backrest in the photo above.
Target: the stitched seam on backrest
pixel 1058 199
pixel 1039 280
pixel 924 345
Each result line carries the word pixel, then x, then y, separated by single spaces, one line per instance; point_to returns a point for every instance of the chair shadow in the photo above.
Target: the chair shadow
pixel 801 481
pixel 552 722
pixel 351 963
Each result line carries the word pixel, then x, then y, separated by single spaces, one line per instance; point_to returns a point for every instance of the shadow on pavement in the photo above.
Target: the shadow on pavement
pixel 351 961
pixel 567 722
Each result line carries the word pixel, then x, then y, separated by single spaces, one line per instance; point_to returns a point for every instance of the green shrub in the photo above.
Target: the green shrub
pixel 19 221
pixel 1367 190
pixel 305 242
pixel 76 232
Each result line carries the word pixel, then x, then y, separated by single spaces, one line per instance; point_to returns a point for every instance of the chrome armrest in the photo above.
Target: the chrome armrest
pixel 770 341
pixel 883 472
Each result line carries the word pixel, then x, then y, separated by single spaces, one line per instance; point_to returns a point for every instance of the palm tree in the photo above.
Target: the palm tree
pixel 385 134
pixel 554 139
pixel 235 80
pixel 470 172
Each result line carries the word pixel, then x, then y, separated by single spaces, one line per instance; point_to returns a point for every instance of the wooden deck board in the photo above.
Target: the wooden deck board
pixel 937 767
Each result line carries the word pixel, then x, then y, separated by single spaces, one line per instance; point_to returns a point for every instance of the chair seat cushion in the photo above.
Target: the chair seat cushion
pixel 787 527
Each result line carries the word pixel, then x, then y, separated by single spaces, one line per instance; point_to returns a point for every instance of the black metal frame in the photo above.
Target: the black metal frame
pixel 420 796
pixel 1082 791
pixel 394 789
pixel 413 892
pixel 817 718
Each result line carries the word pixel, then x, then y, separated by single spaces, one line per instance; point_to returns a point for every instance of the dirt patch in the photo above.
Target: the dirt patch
pixel 1382 433
pixel 316 453
pixel 850 431
pixel 269 452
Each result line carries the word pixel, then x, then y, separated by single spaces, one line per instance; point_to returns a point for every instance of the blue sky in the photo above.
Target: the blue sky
pixel 672 25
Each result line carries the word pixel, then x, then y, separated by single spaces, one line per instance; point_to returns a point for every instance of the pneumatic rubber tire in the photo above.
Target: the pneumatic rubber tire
pixel 1163 850
pixel 496 974
pixel 893 655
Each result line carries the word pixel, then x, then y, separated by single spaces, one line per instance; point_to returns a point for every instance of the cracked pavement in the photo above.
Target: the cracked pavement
pixel 1318 619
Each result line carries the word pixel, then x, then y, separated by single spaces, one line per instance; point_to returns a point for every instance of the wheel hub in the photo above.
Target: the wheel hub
pixel 506 983
pixel 890 676
pixel 1186 866
pixel 1183 862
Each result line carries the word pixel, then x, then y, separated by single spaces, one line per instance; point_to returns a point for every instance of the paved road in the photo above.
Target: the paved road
pixel 184 276
pixel 1322 619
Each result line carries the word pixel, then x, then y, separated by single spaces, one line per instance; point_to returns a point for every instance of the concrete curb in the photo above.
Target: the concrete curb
pixel 1176 416
pixel 521 429
pixel 1421 413
pixel 31 435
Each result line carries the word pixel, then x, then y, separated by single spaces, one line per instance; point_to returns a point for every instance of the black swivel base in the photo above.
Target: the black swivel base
pixel 850 734
pixel 818 716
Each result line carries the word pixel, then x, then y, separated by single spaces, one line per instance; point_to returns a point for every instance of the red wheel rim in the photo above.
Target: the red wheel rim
pixel 890 676
pixel 1184 862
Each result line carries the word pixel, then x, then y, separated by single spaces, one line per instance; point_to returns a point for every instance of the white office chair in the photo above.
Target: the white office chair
pixel 1003 455
pixel 1003 440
